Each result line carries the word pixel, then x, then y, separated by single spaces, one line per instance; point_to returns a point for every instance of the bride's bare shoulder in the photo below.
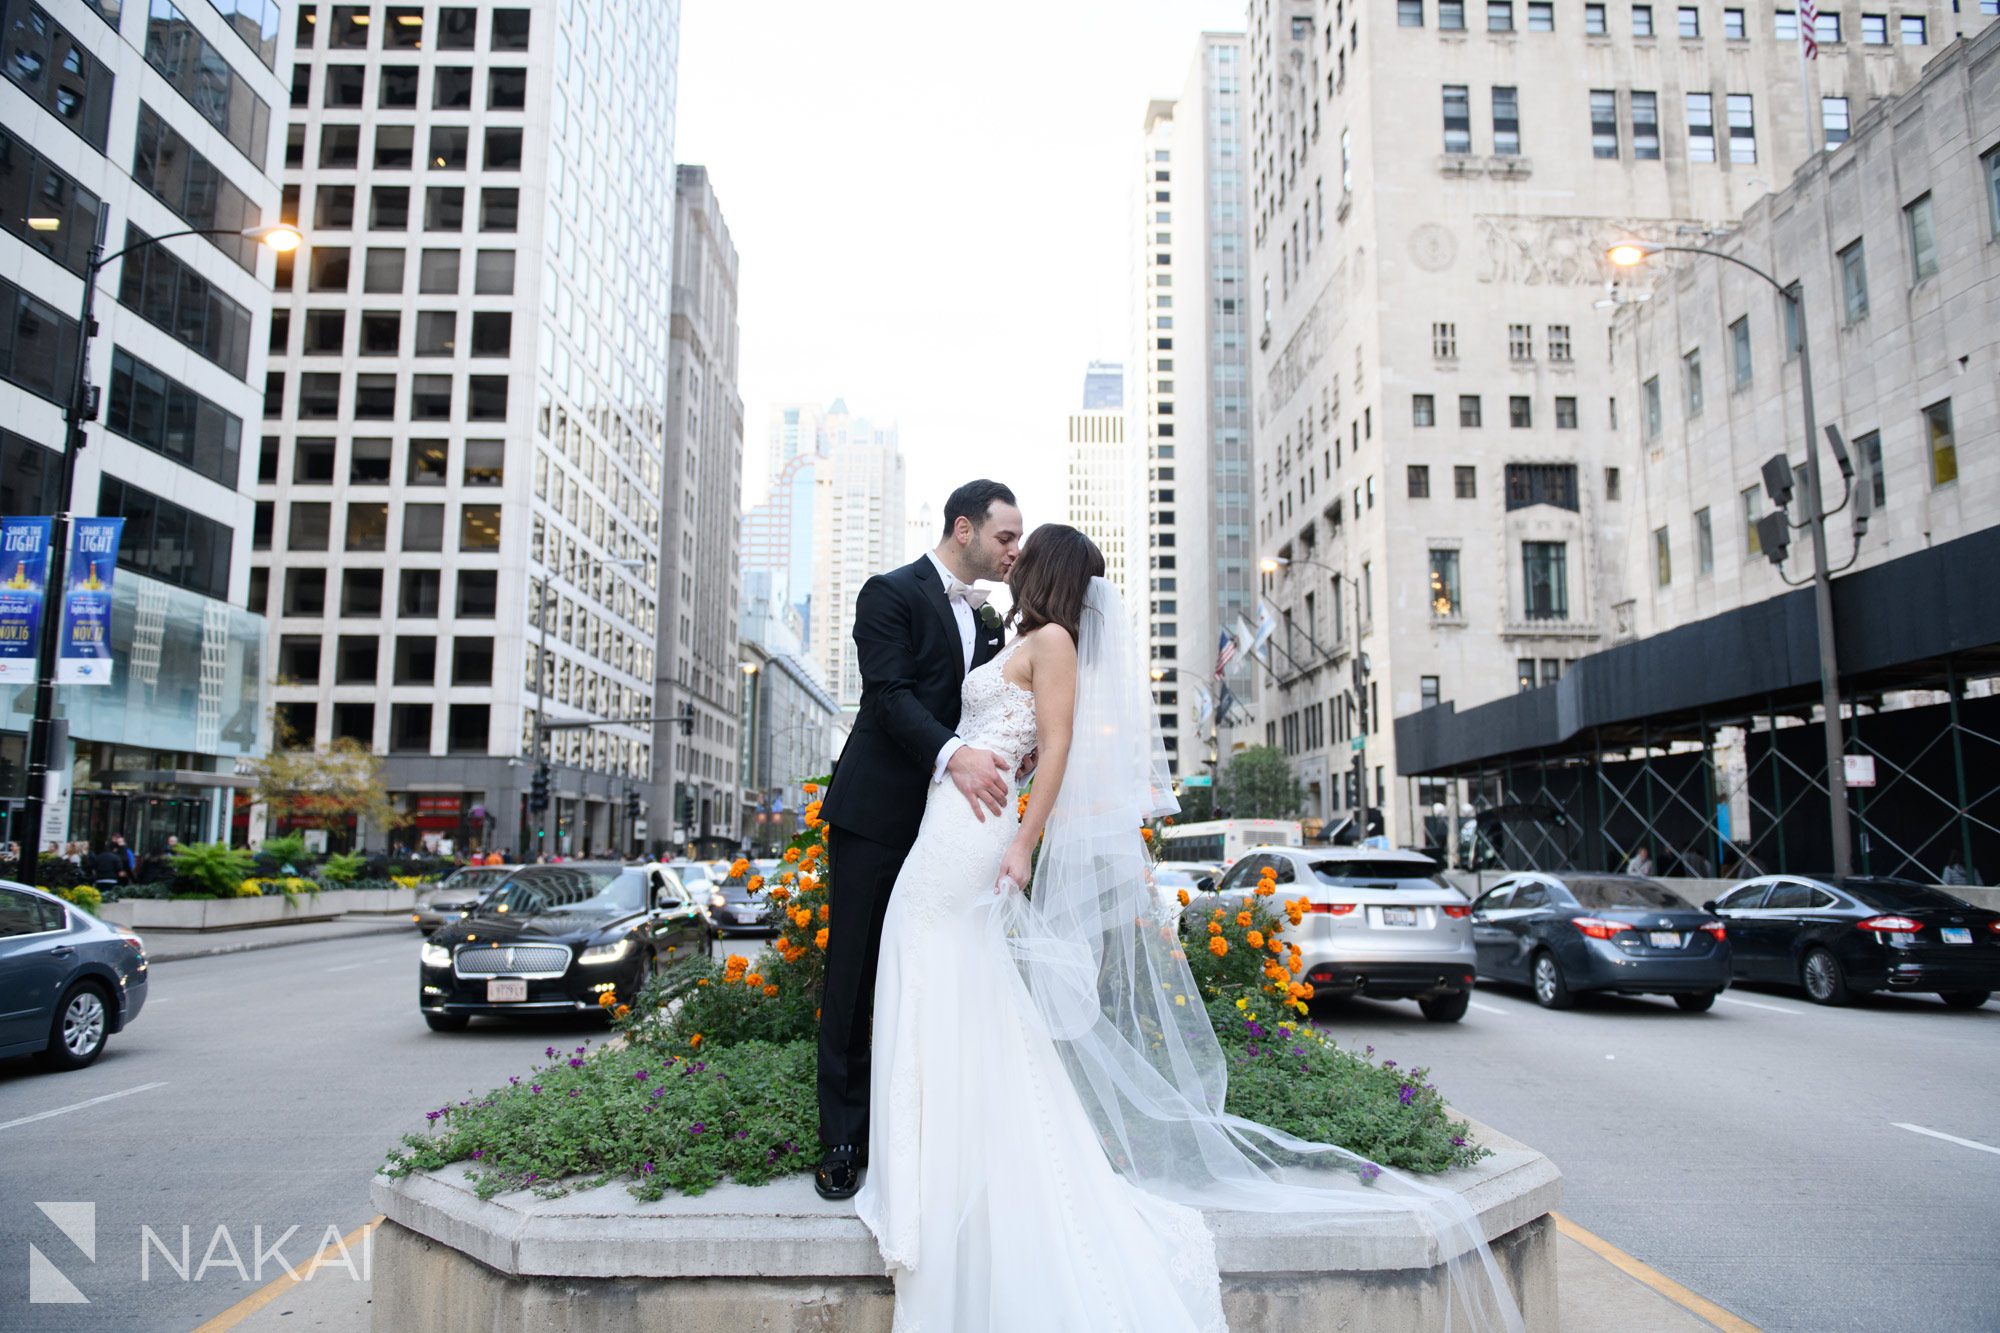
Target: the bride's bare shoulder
pixel 1049 646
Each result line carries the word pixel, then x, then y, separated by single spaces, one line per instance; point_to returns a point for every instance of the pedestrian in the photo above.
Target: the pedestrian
pixel 1641 862
pixel 108 868
pixel 1954 874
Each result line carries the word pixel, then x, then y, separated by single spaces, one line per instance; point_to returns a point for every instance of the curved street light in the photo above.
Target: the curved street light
pixel 1628 254
pixel 81 407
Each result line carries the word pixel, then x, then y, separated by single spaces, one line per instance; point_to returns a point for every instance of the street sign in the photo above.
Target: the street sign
pixel 1358 744
pixel 1199 780
pixel 1859 768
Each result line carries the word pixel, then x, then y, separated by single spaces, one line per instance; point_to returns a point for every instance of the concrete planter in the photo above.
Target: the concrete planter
pixel 779 1258
pixel 143 914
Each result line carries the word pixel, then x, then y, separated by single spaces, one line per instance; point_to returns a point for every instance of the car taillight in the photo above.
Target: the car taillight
pixel 1717 929
pixel 1900 925
pixel 1597 927
pixel 1993 926
pixel 1332 909
pixel 1458 913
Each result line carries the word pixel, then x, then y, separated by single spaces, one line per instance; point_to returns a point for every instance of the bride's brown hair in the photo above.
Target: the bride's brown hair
pixel 1052 577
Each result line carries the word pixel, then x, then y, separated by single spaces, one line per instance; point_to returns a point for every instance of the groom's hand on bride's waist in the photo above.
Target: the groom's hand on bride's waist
pixel 981 777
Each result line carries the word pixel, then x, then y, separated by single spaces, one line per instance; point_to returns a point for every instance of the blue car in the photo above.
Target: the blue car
pixel 67 980
pixel 1569 932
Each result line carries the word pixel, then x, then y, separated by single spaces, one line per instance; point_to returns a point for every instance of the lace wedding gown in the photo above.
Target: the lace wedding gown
pixel 988 1189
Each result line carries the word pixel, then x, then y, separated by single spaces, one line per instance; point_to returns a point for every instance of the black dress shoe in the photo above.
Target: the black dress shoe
pixel 839 1173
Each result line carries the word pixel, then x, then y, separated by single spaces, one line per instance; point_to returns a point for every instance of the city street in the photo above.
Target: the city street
pixel 1753 1154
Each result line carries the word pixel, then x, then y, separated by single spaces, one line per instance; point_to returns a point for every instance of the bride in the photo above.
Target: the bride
pixel 1047 1092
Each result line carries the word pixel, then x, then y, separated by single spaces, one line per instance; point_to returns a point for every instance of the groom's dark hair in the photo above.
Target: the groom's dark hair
pixel 972 501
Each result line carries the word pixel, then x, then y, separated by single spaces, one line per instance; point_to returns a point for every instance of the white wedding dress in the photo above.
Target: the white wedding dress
pixel 988 1189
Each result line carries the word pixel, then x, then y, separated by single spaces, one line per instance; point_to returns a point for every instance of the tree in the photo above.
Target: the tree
pixel 323 789
pixel 1197 804
pixel 1259 784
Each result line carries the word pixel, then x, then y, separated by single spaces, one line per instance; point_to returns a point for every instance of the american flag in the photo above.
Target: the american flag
pixel 1809 28
pixel 1225 652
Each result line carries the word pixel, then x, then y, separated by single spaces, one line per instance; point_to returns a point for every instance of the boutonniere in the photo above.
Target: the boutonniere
pixel 989 617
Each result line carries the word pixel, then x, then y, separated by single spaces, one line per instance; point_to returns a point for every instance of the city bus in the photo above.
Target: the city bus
pixel 1222 841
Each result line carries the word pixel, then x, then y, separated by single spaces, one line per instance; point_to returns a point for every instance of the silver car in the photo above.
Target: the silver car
pixel 1384 924
pixel 460 892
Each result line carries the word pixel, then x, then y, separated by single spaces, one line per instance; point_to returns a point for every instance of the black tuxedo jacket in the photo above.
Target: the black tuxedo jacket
pixel 912 665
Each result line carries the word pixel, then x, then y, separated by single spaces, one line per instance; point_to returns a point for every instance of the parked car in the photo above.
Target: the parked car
pixel 554 938
pixel 1570 932
pixel 734 908
pixel 1841 937
pixel 67 980
pixel 458 894
pixel 1384 924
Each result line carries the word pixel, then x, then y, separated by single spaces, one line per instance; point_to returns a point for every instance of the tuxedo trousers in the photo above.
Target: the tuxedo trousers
pixel 862 873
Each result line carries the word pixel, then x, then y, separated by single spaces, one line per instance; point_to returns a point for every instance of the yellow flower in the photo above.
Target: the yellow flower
pixel 1181 1000
pixel 1243 1004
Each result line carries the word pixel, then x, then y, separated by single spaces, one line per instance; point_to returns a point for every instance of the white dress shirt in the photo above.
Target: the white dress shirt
pixel 962 612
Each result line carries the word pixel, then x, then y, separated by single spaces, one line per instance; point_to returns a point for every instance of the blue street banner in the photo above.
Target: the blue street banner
pixel 85 649
pixel 24 584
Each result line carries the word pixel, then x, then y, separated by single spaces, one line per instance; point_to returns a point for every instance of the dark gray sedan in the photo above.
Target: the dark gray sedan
pixel 460 892
pixel 1569 932
pixel 67 980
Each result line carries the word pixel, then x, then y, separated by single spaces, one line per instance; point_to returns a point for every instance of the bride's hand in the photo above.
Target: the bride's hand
pixel 1015 867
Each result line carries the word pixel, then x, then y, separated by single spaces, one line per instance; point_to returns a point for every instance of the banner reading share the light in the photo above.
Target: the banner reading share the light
pixel 86 624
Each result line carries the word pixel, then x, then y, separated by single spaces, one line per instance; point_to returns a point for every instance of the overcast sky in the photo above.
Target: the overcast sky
pixel 932 205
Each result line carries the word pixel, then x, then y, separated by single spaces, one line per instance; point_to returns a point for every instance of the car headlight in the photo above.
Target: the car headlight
pixel 717 901
pixel 436 955
pixel 606 953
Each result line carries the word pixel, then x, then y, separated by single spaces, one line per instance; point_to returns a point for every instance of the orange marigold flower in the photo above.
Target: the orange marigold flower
pixel 1256 939
pixel 802 917
pixel 810 788
pixel 1243 919
pixel 1215 927
pixel 1146 833
pixel 820 939
pixel 622 1010
pixel 780 894
pixel 812 810
pixel 753 981
pixel 738 867
pixel 1216 914
pixel 695 1040
pixel 1266 888
pixel 825 911
pixel 756 883
pixel 702 982
pixel 770 992
pixel 1182 894
pixel 792 855
pixel 606 1000
pixel 1218 946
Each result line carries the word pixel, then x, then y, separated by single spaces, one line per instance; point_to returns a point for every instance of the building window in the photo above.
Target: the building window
pixel 1603 123
pixel 1468 409
pixel 1506 121
pixel 410 728
pixel 1520 342
pixel 1457 118
pixel 1752 543
pixel 423 527
pixel 1646 126
pixel 417 593
pixel 1689 19
pixel 1742 128
pixel 1914 33
pixel 1445 604
pixel 1923 239
pixel 165 292
pixel 1663 558
pixel 1465 481
pixel 1531 484
pixel 163 415
pixel 1942 444
pixel 167 166
pixel 1423 410
pixel 1565 414
pixel 1652 394
pixel 167 542
pixel 1874 30
pixel 1691 381
pixel 1611 483
pixel 1520 411
pixel 1704 543
pixel 1420 481
pixel 1559 349
pixel 1541 16
pixel 1701 127
pixel 367 527
pixel 1826 27
pixel 1545 575
pixel 1499 15
pixel 1642 20
pixel 1732 25
pixel 1409 13
pixel 478 594
pixel 203 75
pixel 1524 672
pixel 1444 337
pixel 429 463
pixel 1868 448
pixel 1451 15
pixel 1854 281
pixel 1593 20
pixel 1786 25
pixel 1427 691
pixel 1833 120
pixel 1739 348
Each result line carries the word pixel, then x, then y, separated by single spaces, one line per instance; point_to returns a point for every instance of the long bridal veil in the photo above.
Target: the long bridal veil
pixel 1099 952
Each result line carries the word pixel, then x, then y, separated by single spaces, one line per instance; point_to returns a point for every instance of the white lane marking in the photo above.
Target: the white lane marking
pixel 1914 1129
pixel 1752 1004
pixel 1486 1008
pixel 94 1101
pixel 366 962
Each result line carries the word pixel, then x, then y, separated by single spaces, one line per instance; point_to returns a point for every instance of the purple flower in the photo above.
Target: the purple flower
pixel 432 1115
pixel 478 1153
pixel 1370 1051
pixel 742 1133
pixel 1457 1141
pixel 645 1168
pixel 575 1093
pixel 1386 1064
pixel 534 1087
pixel 529 1177
pixel 513 1080
pixel 1369 1173
pixel 639 1074
pixel 659 1090
pixel 575 1063
pixel 697 1127
pixel 549 1051
pixel 1406 1094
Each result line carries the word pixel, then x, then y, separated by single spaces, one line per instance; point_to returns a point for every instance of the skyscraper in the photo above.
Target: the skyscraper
pixel 467 415
pixel 122 124
pixel 857 532
pixel 1101 469
pixel 696 760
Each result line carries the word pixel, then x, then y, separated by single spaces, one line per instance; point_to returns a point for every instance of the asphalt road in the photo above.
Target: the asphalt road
pixel 1752 1153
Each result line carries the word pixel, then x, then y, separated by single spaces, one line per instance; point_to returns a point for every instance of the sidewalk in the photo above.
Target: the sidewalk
pixel 1597 1297
pixel 166 946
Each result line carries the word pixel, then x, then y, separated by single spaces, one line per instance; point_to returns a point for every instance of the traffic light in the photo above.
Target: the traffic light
pixel 687 808
pixel 631 805
pixel 538 789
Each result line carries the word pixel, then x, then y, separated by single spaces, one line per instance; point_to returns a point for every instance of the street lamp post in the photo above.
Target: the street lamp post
pixel 81 408
pixel 1628 253
pixel 542 676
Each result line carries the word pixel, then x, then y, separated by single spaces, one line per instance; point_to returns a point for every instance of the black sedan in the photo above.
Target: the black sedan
pixel 1841 937
pixel 67 980
pixel 556 939
pixel 1571 932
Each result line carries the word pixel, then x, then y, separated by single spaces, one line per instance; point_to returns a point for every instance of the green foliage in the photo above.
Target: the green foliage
pixel 286 850
pixel 1259 784
pixel 656 1121
pixel 343 868
pixel 724 1005
pixel 85 896
pixel 216 869
pixel 1296 1079
pixel 1197 805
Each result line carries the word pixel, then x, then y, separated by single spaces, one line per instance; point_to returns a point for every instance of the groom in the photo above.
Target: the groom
pixel 917 631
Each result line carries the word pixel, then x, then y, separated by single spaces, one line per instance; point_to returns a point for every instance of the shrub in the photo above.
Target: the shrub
pixel 85 896
pixel 1239 949
pixel 342 868
pixel 213 868
pixel 285 852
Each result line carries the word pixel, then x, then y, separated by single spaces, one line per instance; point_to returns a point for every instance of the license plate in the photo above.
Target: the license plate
pixel 503 992
pixel 1664 939
pixel 1956 934
pixel 1399 916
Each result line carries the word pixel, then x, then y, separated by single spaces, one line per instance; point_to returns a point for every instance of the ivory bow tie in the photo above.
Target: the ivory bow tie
pixel 965 592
